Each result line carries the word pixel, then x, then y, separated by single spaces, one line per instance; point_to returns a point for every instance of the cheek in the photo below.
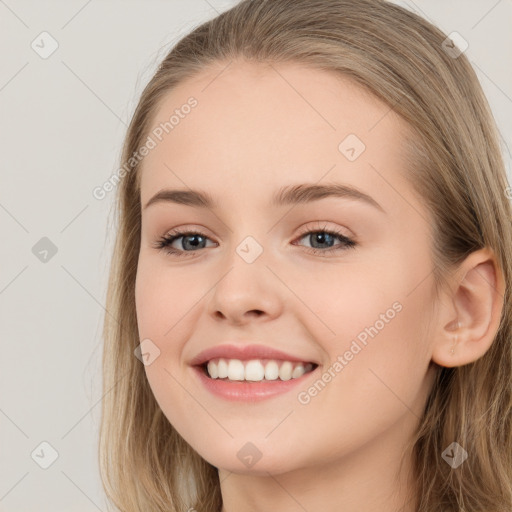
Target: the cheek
pixel 379 360
pixel 381 322
pixel 338 303
pixel 164 298
pixel 162 301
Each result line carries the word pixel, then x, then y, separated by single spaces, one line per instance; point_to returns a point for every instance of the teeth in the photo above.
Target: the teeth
pixel 236 370
pixel 271 370
pixel 222 369
pixel 213 370
pixel 285 372
pixel 256 370
pixel 298 371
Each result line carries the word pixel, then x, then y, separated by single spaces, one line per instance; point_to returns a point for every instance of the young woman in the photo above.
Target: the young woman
pixel 309 302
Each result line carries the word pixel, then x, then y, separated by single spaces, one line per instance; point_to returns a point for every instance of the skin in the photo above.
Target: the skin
pixel 257 128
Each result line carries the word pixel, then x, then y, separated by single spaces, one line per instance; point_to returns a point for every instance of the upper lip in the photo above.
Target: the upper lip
pixel 244 352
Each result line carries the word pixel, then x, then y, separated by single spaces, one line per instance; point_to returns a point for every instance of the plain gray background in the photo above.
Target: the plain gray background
pixel 62 122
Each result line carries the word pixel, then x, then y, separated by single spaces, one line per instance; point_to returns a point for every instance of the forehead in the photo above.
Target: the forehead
pixel 264 125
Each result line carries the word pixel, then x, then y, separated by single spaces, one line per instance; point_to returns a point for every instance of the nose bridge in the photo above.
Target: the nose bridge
pixel 250 236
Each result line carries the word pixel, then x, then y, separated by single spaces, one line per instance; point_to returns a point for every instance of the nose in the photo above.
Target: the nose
pixel 245 293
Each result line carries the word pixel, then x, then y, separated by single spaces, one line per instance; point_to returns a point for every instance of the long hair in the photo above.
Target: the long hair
pixel 457 168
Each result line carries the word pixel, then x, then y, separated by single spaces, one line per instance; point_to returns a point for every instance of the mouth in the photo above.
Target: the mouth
pixel 250 373
pixel 255 370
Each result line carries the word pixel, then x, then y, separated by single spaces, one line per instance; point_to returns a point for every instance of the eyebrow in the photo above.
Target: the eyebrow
pixel 292 194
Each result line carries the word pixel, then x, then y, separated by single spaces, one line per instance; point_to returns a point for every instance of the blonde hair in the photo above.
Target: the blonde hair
pixel 458 170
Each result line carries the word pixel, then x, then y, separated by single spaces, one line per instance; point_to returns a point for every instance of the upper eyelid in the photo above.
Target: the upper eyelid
pixel 320 226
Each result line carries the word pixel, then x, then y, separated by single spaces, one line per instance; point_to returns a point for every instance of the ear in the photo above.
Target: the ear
pixel 470 311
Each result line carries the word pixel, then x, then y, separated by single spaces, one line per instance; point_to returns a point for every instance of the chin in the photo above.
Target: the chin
pixel 248 460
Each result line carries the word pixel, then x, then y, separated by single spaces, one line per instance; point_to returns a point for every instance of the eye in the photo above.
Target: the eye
pixel 192 240
pixel 320 237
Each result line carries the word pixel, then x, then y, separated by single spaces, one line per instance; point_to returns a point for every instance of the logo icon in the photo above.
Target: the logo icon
pixel 44 45
pixel 351 147
pixel 249 454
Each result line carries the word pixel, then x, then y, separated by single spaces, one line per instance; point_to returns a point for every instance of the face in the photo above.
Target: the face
pixel 339 281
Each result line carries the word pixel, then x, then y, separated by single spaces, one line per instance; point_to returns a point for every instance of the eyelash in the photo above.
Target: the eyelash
pixel 164 242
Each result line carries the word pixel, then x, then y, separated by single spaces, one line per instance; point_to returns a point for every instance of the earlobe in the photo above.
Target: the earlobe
pixel 470 312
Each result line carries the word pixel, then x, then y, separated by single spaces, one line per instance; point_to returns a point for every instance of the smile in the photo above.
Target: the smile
pixel 238 386
pixel 256 370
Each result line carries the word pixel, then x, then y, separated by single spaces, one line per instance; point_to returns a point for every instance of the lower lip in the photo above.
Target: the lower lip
pixel 249 391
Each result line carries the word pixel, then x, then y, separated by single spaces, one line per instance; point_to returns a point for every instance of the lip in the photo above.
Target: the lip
pixel 249 391
pixel 244 390
pixel 245 353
